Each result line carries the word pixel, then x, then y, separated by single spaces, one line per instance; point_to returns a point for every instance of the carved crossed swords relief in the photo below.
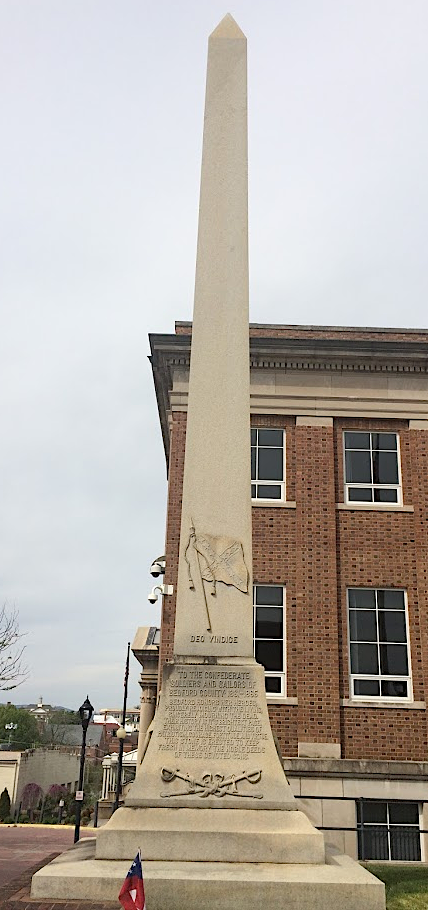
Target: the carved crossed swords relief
pixel 211 784
pixel 217 559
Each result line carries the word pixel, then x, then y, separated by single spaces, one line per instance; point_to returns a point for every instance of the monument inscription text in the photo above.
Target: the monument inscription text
pixel 212 713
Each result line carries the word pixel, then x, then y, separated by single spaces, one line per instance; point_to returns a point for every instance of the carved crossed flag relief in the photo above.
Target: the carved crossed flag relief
pixel 222 559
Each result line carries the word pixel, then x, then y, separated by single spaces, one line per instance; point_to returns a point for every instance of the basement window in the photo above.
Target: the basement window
pixel 269 636
pixel 388 830
pixel 372 468
pixel 378 641
pixel 267 464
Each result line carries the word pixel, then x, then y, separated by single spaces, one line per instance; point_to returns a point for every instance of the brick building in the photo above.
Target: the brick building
pixel 340 562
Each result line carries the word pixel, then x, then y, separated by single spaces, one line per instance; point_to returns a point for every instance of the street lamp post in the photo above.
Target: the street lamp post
pixel 10 727
pixel 86 711
pixel 121 733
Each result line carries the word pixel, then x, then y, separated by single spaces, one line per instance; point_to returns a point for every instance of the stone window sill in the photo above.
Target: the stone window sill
pixel 412 705
pixel 373 507
pixel 273 504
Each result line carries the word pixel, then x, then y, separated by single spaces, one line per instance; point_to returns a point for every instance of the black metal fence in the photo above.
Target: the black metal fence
pixel 379 842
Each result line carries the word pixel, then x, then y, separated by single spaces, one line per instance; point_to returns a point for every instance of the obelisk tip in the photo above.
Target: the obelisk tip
pixel 228 28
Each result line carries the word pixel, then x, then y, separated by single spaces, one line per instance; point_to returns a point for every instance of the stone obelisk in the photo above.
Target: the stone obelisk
pixel 214 598
pixel 212 745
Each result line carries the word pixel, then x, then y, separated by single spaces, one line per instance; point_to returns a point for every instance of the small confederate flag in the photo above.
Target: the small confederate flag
pixel 132 891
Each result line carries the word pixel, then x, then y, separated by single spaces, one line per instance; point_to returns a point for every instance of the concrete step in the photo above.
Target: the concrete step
pixel 207 835
pixel 340 883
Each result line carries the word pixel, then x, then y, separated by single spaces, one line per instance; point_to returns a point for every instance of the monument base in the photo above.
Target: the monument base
pixel 339 882
pixel 211 745
pixel 213 813
pixel 205 835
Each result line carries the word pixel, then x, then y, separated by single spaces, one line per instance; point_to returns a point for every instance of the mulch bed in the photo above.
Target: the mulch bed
pixel 16 895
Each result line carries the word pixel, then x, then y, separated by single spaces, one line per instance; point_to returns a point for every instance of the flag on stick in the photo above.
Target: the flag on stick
pixel 132 891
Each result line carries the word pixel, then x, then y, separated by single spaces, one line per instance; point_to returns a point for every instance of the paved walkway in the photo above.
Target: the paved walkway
pixel 13 899
pixel 23 846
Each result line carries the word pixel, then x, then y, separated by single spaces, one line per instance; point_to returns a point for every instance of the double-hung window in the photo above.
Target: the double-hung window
pixel 267 464
pixel 269 637
pixel 388 830
pixel 378 636
pixel 372 467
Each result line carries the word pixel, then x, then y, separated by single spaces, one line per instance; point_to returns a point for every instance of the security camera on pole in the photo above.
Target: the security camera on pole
pixel 159 589
pixel 158 566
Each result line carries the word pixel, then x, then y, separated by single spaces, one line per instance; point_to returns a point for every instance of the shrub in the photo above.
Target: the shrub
pixel 4 805
pixel 31 796
pixel 56 792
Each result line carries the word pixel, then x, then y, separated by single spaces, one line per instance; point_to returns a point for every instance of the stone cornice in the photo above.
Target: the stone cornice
pixel 304 354
pixel 358 355
pixel 337 354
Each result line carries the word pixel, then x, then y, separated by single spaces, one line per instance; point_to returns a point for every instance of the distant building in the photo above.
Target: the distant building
pixel 110 762
pixel 109 782
pixel 41 713
pixel 114 715
pixel 43 767
pixel 67 736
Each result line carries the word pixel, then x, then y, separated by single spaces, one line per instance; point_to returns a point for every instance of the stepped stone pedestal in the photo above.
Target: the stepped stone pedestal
pixel 227 836
pixel 339 882
pixel 213 814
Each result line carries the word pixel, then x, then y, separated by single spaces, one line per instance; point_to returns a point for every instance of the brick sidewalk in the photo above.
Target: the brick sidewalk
pixel 22 846
pixel 16 895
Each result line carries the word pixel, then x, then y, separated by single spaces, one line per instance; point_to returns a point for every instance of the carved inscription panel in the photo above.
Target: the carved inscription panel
pixel 212 713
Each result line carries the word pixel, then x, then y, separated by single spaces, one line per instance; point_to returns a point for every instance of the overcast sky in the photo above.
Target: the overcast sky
pixel 101 109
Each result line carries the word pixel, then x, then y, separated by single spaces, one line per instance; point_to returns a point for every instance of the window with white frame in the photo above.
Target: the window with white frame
pixel 267 464
pixel 372 467
pixel 388 830
pixel 269 635
pixel 378 637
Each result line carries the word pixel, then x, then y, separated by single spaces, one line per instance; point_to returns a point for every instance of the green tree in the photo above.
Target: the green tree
pixel 64 716
pixel 4 805
pixel 51 804
pixel 32 796
pixel 26 734
pixel 94 780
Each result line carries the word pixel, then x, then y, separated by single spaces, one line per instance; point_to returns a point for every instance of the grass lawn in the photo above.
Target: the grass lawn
pixel 406 886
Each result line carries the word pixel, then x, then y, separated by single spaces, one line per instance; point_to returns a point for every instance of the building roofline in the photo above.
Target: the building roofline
pixel 391 330
pixel 289 347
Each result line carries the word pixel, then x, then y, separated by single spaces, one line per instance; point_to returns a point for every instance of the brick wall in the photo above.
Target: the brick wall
pixel 384 733
pixel 341 333
pixel 419 615
pixel 283 721
pixel 317 619
pixel 317 552
pixel 175 490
